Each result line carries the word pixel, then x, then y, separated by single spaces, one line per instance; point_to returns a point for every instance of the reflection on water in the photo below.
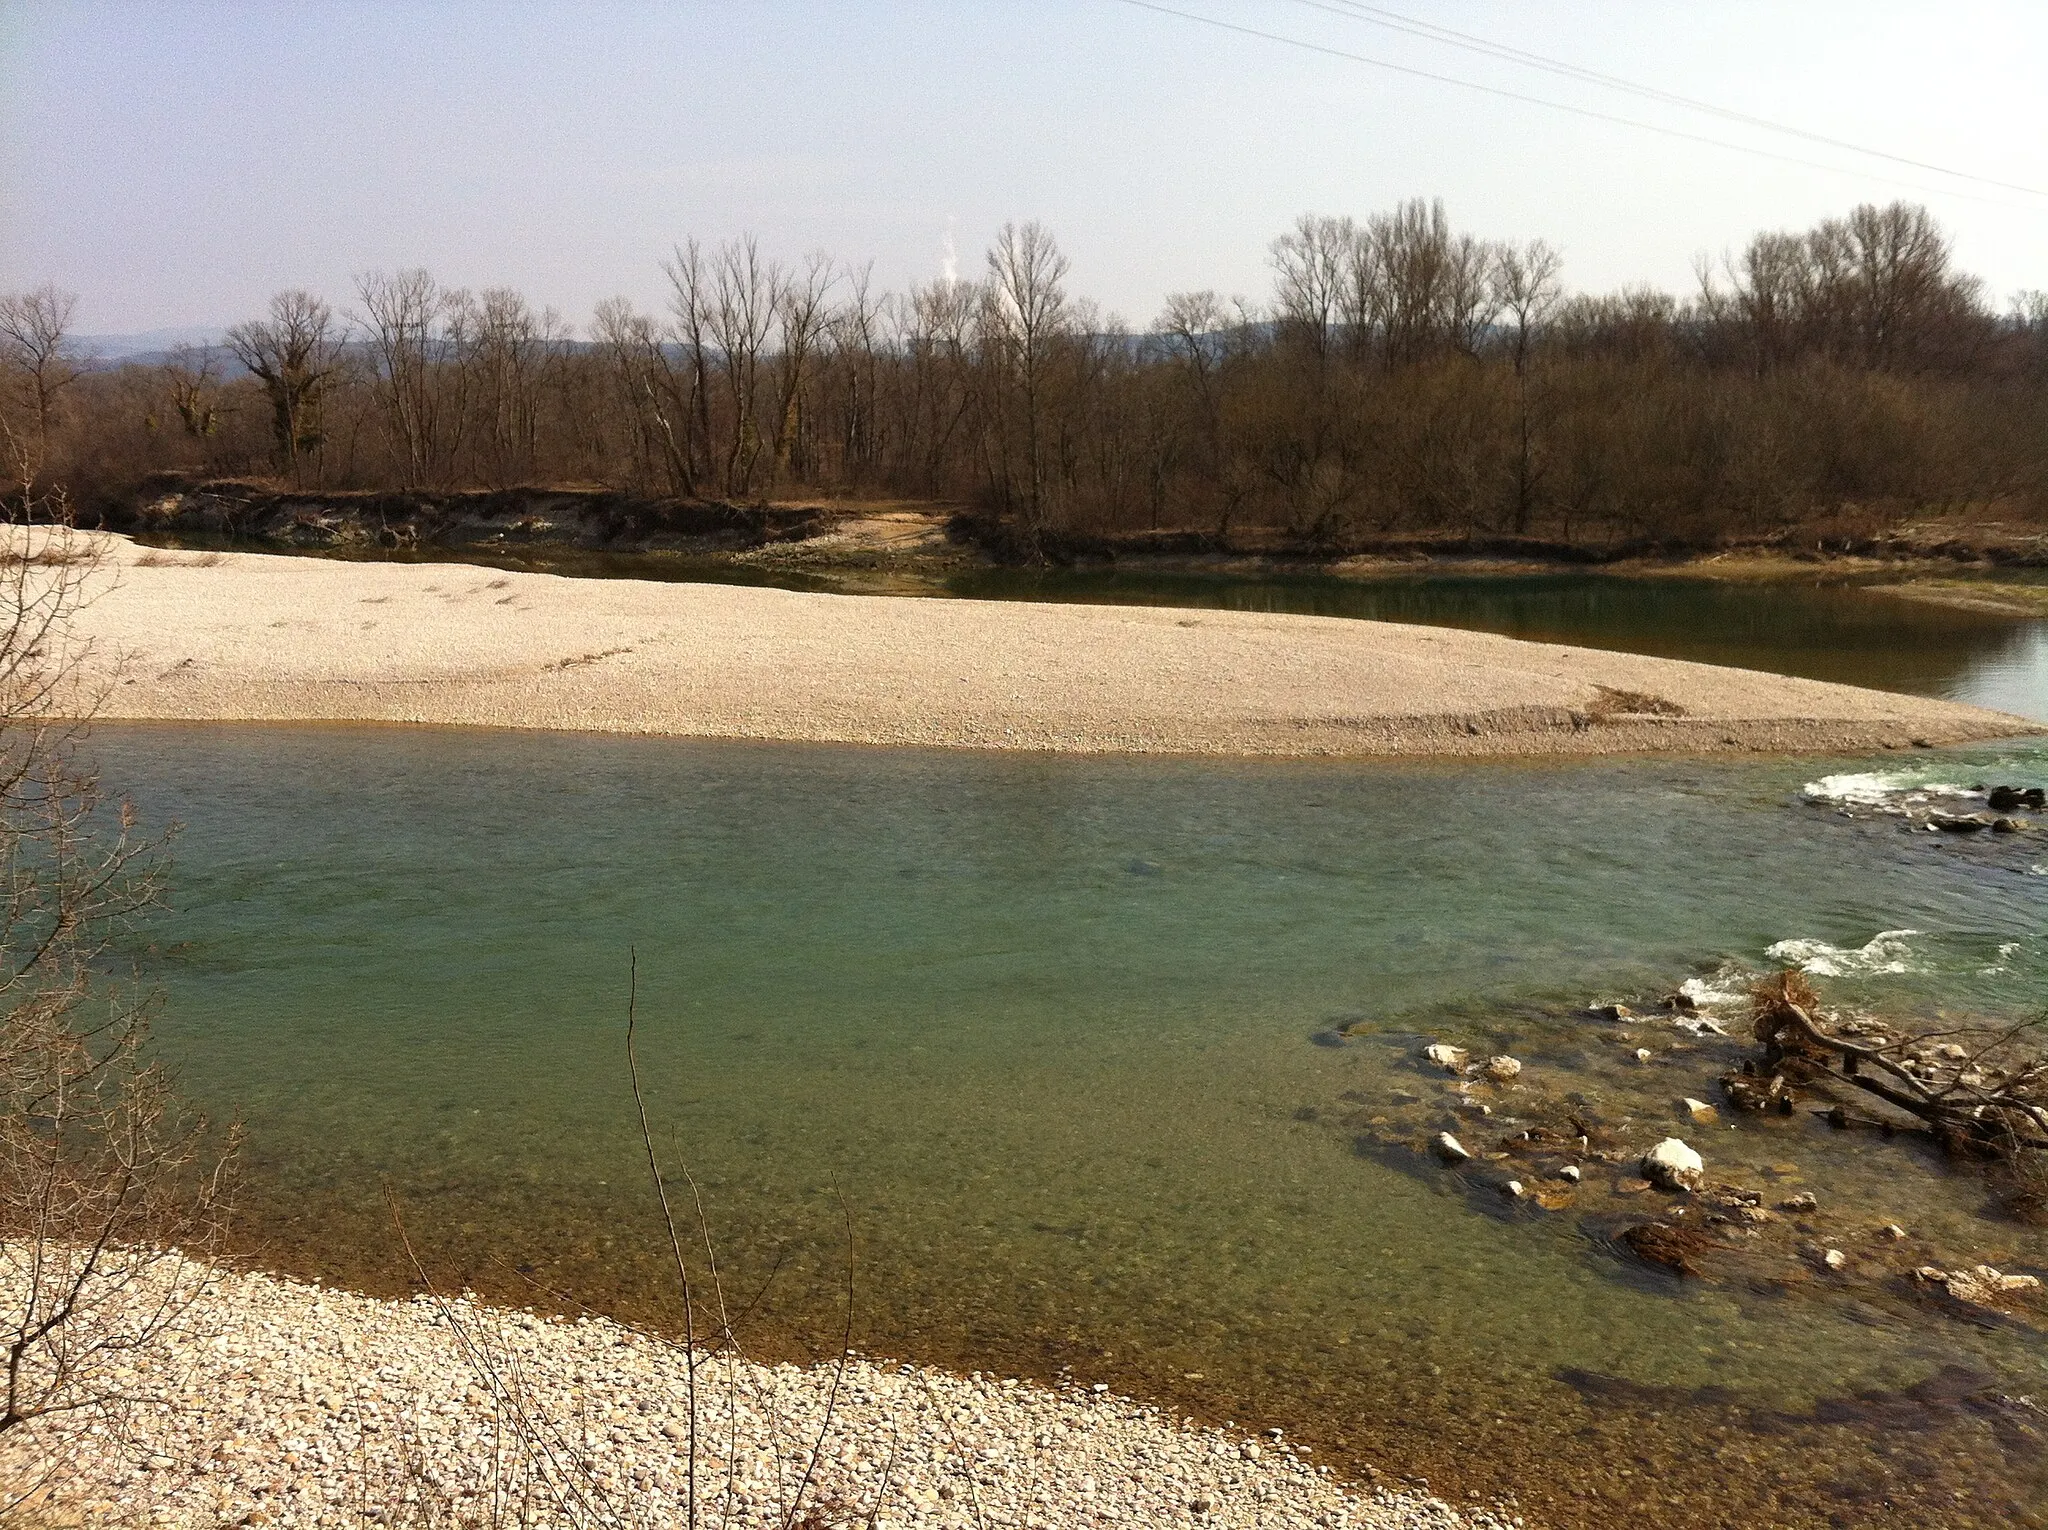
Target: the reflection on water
pixel 1823 629
pixel 1046 1026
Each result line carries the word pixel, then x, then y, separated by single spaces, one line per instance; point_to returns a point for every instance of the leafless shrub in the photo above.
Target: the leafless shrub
pixel 104 1177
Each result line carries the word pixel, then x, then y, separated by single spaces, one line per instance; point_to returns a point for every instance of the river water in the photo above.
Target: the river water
pixel 1047 1043
pixel 1050 1036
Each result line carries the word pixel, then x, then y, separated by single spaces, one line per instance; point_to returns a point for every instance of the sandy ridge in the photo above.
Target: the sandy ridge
pixel 256 637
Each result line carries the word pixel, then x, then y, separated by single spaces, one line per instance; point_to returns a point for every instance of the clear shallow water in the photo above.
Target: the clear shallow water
pixel 1049 1027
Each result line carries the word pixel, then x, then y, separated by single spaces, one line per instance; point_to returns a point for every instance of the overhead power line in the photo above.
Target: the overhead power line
pixel 1557 106
pixel 1379 16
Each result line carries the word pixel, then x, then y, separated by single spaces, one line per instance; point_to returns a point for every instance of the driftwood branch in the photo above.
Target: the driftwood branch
pixel 2007 1117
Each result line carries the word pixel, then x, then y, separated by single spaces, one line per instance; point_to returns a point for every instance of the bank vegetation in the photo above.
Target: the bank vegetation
pixel 1400 377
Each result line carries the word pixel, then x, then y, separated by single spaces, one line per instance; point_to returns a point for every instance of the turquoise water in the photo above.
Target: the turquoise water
pixel 1050 1034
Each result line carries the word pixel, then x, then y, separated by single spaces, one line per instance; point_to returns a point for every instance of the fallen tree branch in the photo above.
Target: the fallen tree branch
pixel 2003 1119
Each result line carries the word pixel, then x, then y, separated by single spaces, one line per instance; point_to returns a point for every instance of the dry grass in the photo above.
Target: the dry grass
pixel 157 558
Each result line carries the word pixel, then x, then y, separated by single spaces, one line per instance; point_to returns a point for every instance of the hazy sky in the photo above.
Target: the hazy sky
pixel 176 163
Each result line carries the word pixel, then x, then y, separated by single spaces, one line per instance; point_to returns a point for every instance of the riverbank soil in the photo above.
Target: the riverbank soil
pixel 932 538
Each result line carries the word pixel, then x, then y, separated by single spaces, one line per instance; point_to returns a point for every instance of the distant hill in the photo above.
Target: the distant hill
pixel 145 346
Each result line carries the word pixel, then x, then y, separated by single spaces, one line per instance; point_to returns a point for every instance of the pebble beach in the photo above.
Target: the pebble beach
pixel 273 1402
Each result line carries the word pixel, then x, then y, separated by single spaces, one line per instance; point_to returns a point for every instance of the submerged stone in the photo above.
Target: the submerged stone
pixel 1450 1149
pixel 1983 1286
pixel 1671 1165
pixel 1451 1059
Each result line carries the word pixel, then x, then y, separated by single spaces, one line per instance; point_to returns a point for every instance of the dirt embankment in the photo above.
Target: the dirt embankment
pixel 828 534
pixel 260 515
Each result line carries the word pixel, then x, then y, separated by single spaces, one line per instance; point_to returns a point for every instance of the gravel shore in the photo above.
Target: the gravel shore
pixel 256 637
pixel 278 1403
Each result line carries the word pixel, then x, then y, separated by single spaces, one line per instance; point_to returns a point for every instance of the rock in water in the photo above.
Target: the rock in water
pixel 1450 1149
pixel 1755 1092
pixel 1501 1069
pixel 1677 1249
pixel 1671 1165
pixel 1959 823
pixel 1981 1287
pixel 1700 1111
pixel 1450 1059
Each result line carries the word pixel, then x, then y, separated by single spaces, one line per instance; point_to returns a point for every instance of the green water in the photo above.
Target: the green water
pixel 1045 1032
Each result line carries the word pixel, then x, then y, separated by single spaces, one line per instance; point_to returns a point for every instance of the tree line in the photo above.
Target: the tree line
pixel 1401 376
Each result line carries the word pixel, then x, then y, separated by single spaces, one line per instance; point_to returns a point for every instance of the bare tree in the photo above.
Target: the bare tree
pixel 854 333
pixel 1192 329
pixel 935 328
pixel 33 326
pixel 1526 289
pixel 293 354
pixel 1875 289
pixel 647 387
pixel 745 295
pixel 1312 263
pixel 1029 313
pixel 514 352
pixel 1435 282
pixel 193 377
pixel 421 337
pixel 801 309
pixel 690 300
pixel 1908 302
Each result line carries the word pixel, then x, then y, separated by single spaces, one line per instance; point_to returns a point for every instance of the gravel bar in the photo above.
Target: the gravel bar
pixel 280 1403
pixel 272 638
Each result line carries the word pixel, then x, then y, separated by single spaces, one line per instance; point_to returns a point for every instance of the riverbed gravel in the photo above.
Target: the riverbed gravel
pixel 272 1402
pixel 263 637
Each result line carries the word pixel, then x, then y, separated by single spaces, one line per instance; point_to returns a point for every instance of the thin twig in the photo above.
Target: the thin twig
pixel 675 1241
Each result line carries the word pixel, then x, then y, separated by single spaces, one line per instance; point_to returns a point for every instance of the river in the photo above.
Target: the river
pixel 1050 1036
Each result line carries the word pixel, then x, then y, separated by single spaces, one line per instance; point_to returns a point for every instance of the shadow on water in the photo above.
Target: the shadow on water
pixel 1824 629
pixel 1046 1025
